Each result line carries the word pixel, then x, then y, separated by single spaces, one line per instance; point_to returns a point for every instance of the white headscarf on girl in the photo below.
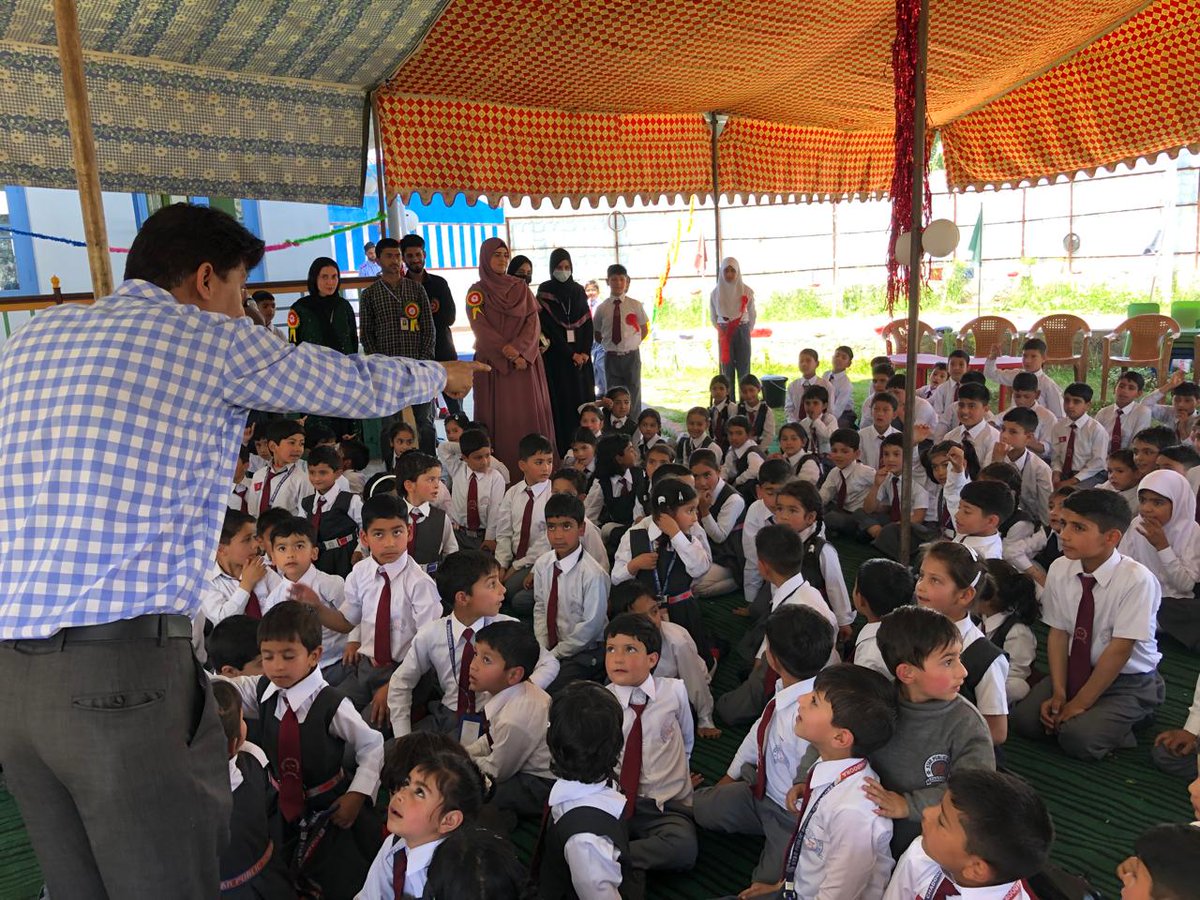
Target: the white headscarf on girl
pixel 1183 534
pixel 727 295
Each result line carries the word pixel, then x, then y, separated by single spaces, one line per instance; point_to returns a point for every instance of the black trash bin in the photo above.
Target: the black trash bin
pixel 775 390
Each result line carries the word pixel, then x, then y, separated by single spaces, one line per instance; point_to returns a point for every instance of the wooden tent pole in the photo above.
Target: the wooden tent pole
pixel 914 279
pixel 715 125
pixel 83 148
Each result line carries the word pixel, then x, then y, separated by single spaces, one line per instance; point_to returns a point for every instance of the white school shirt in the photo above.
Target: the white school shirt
pixel 869 442
pixel 793 404
pixel 1020 645
pixel 894 484
pixel 857 477
pixel 489 489
pixel 594 860
pixel 508 525
pixel 1127 597
pixel 1134 418
pixel 1036 484
pixel 414 602
pixel 1021 552
pixel 687 445
pixel 667 737
pixel 983 437
pixel 1050 396
pixel 288 486
pixel 515 744
pixel 1130 495
pixel 757 518
pixel 680 659
pixel 630 337
pixel 987 546
pixel 582 601
pixel 1046 422
pixel 841 400
pixel 945 405
pixel 798 592
pixel 222 595
pixel 593 545
pixel 449 453
pixel 1160 413
pixel 819 431
pixel 810 471
pixel 593 504
pixel 768 433
pixel 916 875
pixel 835 580
pixel 782 750
pixel 719 527
pixel 991 698
pixel 1091 446
pixel 331 589
pixel 643 446
pixel 238 494
pixel 923 413
pixel 366 744
pixel 866 650
pixel 729 468
pixel 1193 717
pixel 846 851
pixel 449 543
pixel 340 485
pixel 690 546
pixel 380 884
pixel 438 647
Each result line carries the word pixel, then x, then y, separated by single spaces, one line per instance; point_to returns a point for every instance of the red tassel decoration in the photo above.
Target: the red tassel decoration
pixel 904 67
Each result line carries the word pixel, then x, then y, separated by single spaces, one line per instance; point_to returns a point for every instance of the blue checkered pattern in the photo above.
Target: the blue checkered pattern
pixel 120 424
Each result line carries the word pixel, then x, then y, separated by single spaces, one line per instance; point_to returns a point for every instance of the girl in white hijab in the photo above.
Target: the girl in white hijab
pixel 731 310
pixel 1164 537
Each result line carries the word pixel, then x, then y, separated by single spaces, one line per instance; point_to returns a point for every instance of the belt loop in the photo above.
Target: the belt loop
pixel 162 631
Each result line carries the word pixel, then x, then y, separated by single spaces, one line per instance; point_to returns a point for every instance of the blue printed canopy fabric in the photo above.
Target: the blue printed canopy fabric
pixel 225 98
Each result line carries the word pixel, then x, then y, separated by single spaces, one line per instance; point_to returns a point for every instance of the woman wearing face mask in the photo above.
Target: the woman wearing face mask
pixel 511 400
pixel 567 324
pixel 521 267
pixel 323 316
pixel 731 310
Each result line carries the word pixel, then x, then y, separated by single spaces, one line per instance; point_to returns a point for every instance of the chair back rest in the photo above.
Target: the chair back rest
pixel 1059 331
pixel 895 336
pixel 989 331
pixel 1146 334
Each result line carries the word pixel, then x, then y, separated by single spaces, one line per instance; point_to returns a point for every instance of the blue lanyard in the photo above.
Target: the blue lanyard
pixel 797 845
pixel 659 583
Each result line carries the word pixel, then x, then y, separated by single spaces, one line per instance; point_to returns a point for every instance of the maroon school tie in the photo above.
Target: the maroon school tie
pixel 399 871
pixel 473 503
pixel 1115 444
pixel 526 524
pixel 1198 506
pixel 943 512
pixel 957 388
pixel 316 519
pixel 894 512
pixel 631 764
pixel 616 322
pixel 264 501
pixel 945 889
pixel 291 782
pixel 1079 659
pixel 841 491
pixel 760 779
pixel 1068 469
pixel 552 611
pixel 383 622
pixel 253 607
pixel 414 521
pixel 770 682
pixel 241 495
pixel 466 696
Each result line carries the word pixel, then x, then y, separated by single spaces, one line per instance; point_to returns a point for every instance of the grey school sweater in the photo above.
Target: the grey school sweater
pixel 931 739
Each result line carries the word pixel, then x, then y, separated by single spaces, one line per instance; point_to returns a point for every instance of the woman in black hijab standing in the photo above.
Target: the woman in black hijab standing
pixel 567 324
pixel 323 316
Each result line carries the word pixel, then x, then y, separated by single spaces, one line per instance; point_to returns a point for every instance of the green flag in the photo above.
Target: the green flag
pixel 976 245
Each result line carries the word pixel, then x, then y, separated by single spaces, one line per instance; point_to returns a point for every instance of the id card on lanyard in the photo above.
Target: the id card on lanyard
pixel 797 845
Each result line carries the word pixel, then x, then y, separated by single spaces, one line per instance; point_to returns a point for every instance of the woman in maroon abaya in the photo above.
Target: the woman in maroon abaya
pixel 511 400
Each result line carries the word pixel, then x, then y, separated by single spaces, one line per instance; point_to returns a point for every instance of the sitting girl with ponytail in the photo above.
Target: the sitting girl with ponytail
pixel 1009 613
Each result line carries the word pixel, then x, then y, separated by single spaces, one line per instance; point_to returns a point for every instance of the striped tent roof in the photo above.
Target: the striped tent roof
pixel 571 99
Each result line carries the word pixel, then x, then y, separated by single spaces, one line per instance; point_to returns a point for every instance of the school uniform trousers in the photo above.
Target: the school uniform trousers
pixel 579 588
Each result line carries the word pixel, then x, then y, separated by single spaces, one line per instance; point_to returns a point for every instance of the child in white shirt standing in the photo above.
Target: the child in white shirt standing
pixel 793 407
pixel 476 491
pixel 841 401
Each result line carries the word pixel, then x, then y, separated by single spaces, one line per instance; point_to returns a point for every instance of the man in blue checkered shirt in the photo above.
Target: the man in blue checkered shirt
pixel 120 424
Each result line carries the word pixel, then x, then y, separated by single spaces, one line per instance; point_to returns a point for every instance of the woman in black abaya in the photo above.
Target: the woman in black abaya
pixel 567 324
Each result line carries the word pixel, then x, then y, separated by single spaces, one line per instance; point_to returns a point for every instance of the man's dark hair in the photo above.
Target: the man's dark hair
pixel 369 245
pixel 973 377
pixel 977 392
pixel 1105 509
pixel 1005 820
pixel 386 243
pixel 233 642
pixel 294 526
pixel 883 368
pixel 235 521
pixel 959 354
pixel 411 240
pixel 847 437
pixel 532 445
pixel 178 239
pixel 564 506
pixel 617 269
pixel 318 433
pixel 325 455
pixel 1159 436
pixel 895 439
pixel 291 621
pixel 992 497
pixel 460 570
pixel 514 642
pixel 414 464
pixel 896 381
pixel 885 585
pixel 585 736
pixel 780 547
pixel 383 506
pixel 863 702
pixel 1187 389
pixel 640 628
pixel 1034 344
pixel 815 392
pixel 800 639
pixel 911 634
pixel 774 471
pixel 472 441
pixel 1169 853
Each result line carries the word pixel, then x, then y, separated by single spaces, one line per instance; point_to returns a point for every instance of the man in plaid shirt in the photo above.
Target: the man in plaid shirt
pixel 121 422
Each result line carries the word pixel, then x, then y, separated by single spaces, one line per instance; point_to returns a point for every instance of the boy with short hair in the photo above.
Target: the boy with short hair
pixel 945 398
pixel 987 835
pixel 846 487
pixel 1177 415
pixel 1164 864
pixel 1102 609
pixel 476 492
pixel 937 731
pixel 756 411
pixel 654 771
pixel 239 582
pixel 232 647
pixel 469 584
pixel 923 411
pixel 870 438
pixel 356 459
pixel 979 509
pixel 751 797
pixel 773 475
pixel 512 749
pixel 1123 477
pixel 839 847
pixel 1019 425
pixel 936 377
pixel 1033 357
pixel 881 371
pixel 570 591
pixel 816 420
pixel 1126 415
pixel 1034 554
pixel 282 481
pixel 696 437
pixel 521 523
pixel 793 404
pixel 1079 442
pixel 571 482
pixel 621 326
pixel 1146 446
pixel 973 432
pixel 430 531
pixel 1025 394
pixel 334 512
pixel 744 458
pixel 882 585
pixel 841 401
pixel 882 505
